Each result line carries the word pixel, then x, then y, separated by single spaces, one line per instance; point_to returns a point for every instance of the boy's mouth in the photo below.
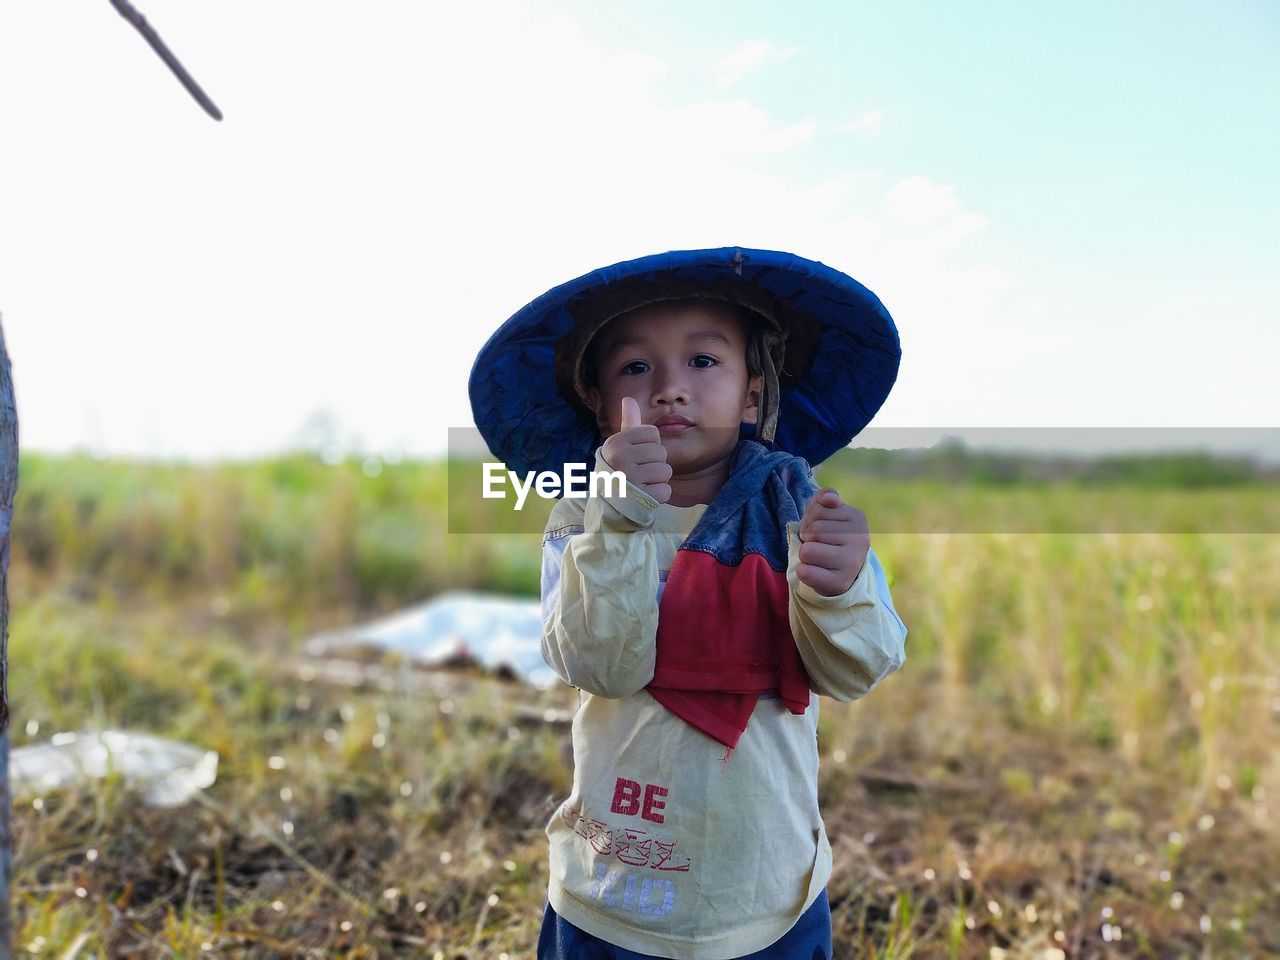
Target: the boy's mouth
pixel 672 424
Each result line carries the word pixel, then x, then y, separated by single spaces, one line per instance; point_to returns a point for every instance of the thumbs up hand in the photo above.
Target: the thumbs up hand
pixel 834 539
pixel 637 450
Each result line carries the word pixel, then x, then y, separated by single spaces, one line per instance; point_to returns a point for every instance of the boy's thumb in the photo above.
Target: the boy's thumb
pixel 630 413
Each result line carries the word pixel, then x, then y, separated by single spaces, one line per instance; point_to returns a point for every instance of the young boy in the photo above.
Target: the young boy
pixel 699 613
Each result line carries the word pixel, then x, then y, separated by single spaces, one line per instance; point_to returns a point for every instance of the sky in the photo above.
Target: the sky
pixel 1072 211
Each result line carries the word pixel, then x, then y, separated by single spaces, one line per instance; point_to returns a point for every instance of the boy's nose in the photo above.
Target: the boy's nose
pixel 670 386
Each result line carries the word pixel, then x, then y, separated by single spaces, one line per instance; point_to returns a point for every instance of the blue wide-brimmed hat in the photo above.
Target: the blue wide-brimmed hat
pixel 837 346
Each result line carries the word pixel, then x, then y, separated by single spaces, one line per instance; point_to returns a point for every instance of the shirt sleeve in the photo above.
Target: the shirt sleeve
pixel 850 642
pixel 600 592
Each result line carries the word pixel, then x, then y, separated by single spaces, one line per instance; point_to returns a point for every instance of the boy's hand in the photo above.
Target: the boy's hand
pixel 835 539
pixel 637 450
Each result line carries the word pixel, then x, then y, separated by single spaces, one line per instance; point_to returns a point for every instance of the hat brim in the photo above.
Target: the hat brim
pixel 853 344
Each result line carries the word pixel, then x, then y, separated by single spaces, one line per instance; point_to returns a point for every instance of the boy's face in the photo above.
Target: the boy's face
pixel 685 363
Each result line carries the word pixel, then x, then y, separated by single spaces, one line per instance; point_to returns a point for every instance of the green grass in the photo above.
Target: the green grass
pixel 1086 723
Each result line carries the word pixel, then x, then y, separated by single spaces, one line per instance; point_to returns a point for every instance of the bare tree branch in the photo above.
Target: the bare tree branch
pixel 126 10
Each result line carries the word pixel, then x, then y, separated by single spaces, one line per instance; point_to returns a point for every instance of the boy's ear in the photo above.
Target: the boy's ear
pixel 751 411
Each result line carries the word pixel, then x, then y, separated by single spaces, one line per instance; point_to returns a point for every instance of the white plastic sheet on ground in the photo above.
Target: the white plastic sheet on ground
pixel 493 631
pixel 164 772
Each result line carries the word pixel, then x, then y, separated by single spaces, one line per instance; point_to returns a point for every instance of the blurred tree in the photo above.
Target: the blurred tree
pixel 8 487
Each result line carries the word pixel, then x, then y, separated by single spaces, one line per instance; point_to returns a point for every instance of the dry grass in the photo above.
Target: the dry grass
pixel 1078 757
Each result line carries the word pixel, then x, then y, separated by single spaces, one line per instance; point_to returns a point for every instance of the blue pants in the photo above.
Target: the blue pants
pixel 809 939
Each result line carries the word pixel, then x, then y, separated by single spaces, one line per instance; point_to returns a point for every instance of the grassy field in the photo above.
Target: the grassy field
pixel 1077 760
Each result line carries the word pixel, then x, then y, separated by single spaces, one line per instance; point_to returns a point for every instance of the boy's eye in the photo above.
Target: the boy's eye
pixel 635 367
pixel 702 360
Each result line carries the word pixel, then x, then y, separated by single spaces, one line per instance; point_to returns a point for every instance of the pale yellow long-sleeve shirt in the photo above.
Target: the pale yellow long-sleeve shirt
pixel 661 847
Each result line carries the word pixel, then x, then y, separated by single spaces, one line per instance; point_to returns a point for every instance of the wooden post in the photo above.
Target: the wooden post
pixel 8 487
